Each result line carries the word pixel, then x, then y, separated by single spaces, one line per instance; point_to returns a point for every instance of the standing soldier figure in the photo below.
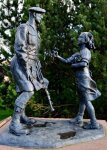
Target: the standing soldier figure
pixel 26 69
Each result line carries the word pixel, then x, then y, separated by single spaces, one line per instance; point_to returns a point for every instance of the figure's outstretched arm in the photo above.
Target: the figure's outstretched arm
pixel 67 60
pixel 63 59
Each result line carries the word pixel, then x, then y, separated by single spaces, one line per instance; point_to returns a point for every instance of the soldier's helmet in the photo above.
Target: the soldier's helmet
pixel 86 38
pixel 37 10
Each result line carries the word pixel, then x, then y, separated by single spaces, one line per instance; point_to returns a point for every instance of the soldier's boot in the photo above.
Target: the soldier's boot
pixel 26 120
pixel 16 127
pixel 78 120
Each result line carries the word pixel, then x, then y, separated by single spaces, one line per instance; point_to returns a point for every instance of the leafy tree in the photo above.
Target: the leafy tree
pixel 10 16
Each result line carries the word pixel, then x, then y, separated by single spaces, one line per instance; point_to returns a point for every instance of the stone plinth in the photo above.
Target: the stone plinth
pixel 49 133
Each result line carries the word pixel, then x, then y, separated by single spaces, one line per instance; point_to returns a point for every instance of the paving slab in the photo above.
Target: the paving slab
pixel 66 135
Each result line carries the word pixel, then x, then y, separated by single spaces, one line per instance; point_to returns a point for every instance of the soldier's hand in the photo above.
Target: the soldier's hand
pixel 55 53
pixel 44 83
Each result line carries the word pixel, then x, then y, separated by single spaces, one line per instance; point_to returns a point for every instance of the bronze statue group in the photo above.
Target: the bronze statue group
pixel 26 71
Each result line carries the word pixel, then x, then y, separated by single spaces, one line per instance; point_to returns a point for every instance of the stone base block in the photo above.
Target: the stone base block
pixel 49 133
